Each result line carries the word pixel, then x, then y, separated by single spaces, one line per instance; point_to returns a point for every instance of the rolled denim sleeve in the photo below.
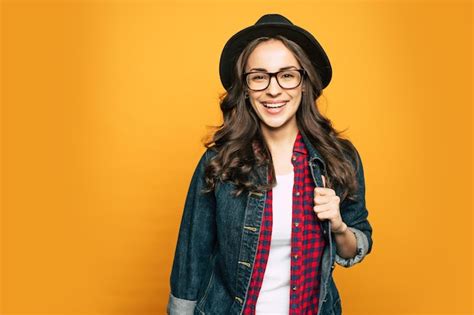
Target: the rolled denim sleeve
pixel 195 244
pixel 355 214
pixel 179 306
pixel 362 249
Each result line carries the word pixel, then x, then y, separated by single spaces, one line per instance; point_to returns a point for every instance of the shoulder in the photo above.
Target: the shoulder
pixel 208 155
pixel 211 152
pixel 205 158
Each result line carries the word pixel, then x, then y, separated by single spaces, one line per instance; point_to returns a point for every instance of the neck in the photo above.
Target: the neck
pixel 280 139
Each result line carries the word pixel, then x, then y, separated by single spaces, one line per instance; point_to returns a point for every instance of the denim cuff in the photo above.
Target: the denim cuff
pixel 177 306
pixel 362 248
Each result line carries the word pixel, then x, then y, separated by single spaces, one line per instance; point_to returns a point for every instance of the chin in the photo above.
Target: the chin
pixel 274 124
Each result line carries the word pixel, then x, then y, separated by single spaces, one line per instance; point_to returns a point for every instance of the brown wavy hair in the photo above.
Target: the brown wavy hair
pixel 241 148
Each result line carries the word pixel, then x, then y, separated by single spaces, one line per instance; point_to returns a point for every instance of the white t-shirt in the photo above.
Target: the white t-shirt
pixel 274 296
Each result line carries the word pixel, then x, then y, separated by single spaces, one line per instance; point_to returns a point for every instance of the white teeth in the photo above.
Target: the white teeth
pixel 275 105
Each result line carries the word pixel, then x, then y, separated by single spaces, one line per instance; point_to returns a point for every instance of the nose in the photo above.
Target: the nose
pixel 273 88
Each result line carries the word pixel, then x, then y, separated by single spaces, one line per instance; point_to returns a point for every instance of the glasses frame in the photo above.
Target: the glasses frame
pixel 274 74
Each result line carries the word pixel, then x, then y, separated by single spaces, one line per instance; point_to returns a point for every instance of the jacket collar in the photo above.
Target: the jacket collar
pixel 312 151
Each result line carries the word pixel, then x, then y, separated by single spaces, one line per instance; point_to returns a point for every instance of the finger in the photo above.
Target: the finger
pixel 322 199
pixel 324 180
pixel 322 212
pixel 322 208
pixel 321 191
pixel 321 215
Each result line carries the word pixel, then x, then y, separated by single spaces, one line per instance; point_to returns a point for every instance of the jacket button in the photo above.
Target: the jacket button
pixel 333 266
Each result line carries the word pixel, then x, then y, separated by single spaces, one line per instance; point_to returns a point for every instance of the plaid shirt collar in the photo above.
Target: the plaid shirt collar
pixel 299 146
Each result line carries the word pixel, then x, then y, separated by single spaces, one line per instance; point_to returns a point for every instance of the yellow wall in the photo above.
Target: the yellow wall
pixel 104 104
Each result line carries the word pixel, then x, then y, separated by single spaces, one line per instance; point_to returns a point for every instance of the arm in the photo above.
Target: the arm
pixel 195 244
pixel 356 242
pixel 346 242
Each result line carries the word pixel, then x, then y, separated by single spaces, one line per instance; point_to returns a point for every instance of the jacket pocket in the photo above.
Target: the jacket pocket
pixel 216 299
pixel 206 292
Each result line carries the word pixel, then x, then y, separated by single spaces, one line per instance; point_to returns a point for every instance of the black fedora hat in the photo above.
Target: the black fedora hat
pixel 269 25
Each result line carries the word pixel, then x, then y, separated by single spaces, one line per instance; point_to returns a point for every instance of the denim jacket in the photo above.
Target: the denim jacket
pixel 218 238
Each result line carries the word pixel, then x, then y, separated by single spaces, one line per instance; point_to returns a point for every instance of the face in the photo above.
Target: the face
pixel 276 107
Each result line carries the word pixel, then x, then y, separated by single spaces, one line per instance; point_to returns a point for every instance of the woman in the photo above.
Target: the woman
pixel 278 198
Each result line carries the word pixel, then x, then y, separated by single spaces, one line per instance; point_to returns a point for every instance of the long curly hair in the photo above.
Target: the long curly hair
pixel 241 148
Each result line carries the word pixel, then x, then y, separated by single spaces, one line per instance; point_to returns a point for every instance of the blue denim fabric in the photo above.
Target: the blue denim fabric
pixel 218 237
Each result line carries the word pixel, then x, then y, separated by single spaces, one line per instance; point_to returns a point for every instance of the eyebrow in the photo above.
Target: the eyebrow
pixel 263 69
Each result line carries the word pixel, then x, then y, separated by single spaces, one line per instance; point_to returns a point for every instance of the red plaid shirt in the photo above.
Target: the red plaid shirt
pixel 307 242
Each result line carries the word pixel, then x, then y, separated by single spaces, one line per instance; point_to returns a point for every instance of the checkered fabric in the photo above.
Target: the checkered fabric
pixel 307 242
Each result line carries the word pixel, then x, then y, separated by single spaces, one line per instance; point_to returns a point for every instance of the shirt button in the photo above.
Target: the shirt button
pixel 297 223
pixel 293 158
pixel 295 256
pixel 297 193
pixel 294 288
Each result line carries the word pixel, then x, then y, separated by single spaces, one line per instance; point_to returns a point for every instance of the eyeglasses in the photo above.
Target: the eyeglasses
pixel 287 79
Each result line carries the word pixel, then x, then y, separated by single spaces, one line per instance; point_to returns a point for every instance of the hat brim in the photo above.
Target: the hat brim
pixel 303 38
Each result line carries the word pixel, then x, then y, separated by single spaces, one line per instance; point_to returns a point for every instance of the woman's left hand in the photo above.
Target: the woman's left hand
pixel 327 206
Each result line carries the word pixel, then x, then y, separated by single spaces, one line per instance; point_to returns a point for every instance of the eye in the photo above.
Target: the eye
pixel 257 76
pixel 288 75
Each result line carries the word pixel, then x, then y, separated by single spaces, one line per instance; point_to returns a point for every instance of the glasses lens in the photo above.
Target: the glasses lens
pixel 289 79
pixel 257 80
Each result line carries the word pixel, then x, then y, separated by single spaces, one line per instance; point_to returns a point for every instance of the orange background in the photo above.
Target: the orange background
pixel 104 105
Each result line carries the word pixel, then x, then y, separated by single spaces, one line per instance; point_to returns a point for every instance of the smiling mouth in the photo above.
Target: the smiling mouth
pixel 276 105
